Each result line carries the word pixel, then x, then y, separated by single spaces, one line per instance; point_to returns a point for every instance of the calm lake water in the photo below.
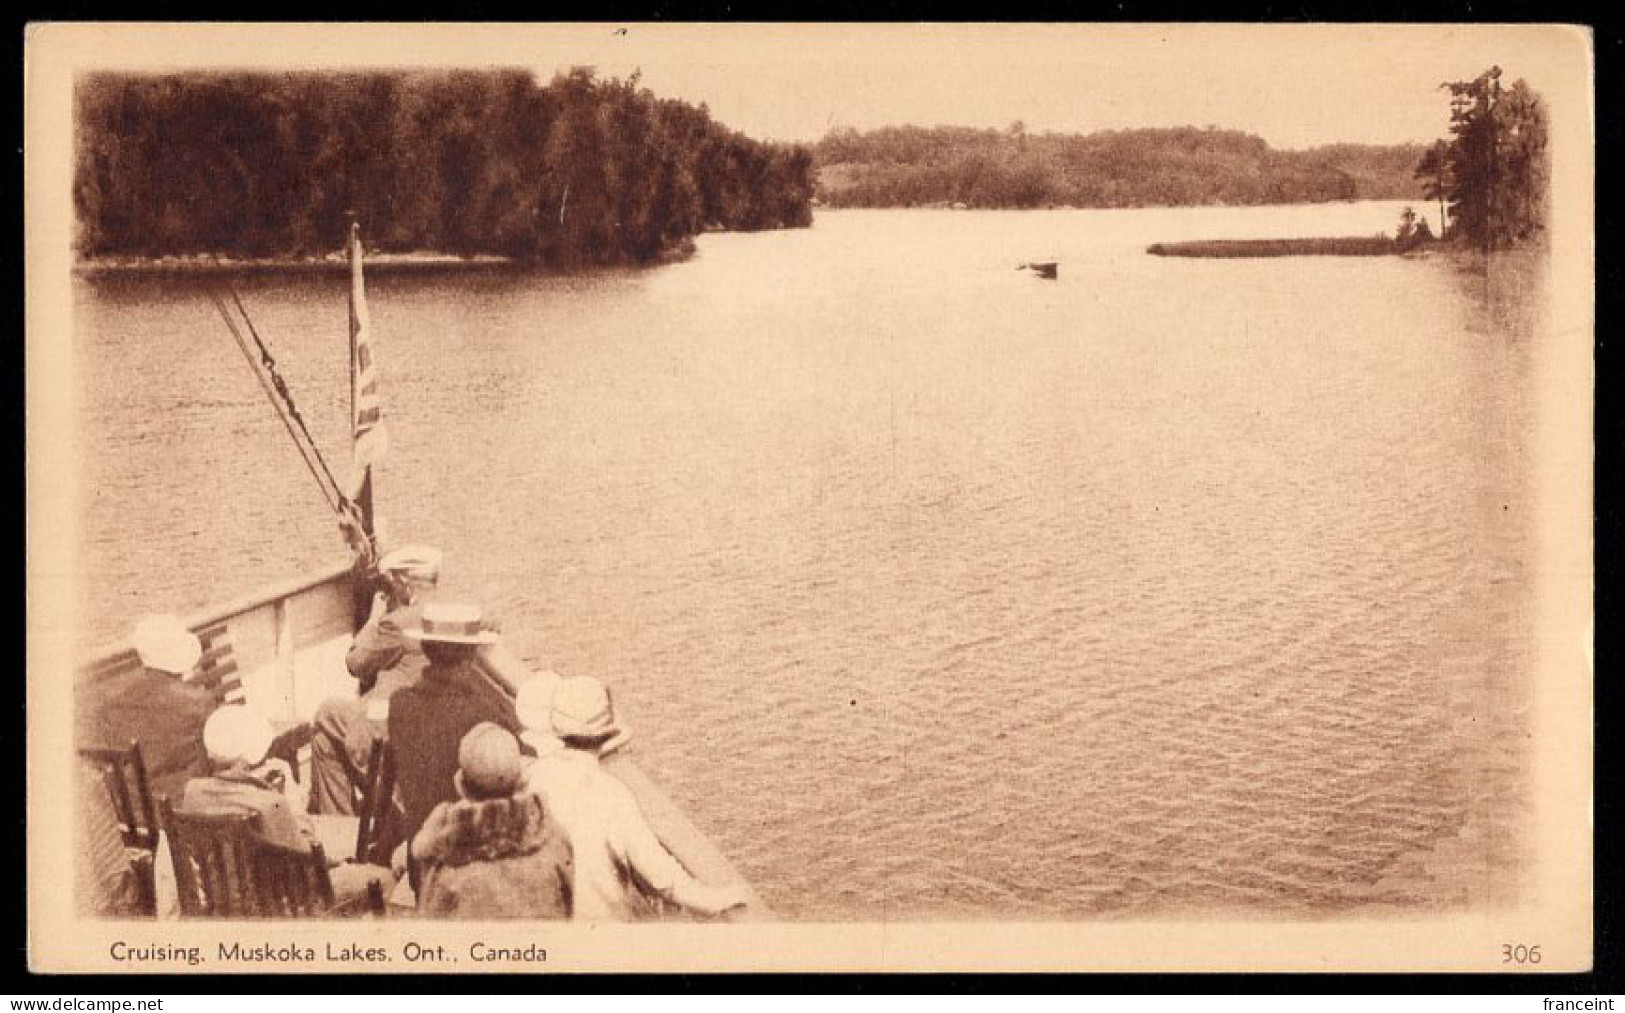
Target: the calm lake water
pixel 931 589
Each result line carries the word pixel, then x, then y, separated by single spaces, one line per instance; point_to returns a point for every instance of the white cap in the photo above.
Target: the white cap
pixel 236 734
pixel 164 643
pixel 417 562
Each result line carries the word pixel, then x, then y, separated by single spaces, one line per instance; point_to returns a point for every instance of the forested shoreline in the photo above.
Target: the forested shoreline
pixel 577 172
pixel 921 166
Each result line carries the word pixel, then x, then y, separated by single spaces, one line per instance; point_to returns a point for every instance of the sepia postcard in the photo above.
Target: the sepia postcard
pixel 809 497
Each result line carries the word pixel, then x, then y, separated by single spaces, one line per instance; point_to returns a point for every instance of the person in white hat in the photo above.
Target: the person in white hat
pixel 611 842
pixel 383 660
pixel 428 720
pixel 244 781
pixel 154 705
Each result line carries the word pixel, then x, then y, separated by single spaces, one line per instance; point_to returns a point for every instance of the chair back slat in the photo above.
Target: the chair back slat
pixel 119 788
pixel 377 809
pixel 377 903
pixel 292 883
pixel 213 861
pixel 223 869
pixel 124 772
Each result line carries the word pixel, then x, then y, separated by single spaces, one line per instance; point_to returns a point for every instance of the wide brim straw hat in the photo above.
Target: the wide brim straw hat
pixel 237 734
pixel 451 623
pixel 163 642
pixel 582 709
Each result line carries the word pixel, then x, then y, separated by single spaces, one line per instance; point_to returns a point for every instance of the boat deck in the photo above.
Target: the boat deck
pixel 283 651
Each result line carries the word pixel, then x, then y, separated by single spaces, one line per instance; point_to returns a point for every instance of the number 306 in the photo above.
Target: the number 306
pixel 1519 954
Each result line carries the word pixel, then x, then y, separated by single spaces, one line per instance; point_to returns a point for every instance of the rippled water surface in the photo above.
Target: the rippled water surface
pixel 931 589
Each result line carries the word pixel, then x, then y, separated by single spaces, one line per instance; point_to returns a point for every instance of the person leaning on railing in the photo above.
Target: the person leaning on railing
pixel 612 843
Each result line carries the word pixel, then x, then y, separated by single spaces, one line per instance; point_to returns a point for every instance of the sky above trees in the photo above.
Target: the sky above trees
pixel 1295 86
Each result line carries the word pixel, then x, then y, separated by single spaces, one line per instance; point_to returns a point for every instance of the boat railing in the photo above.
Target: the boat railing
pixel 686 842
pixel 262 633
pixel 266 632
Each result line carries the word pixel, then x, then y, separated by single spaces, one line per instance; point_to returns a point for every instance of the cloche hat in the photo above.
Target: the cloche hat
pixel 582 709
pixel 488 764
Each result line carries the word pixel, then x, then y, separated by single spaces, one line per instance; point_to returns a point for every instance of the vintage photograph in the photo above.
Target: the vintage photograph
pixel 809 497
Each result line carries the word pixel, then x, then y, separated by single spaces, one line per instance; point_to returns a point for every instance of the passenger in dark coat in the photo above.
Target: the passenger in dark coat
pixel 427 721
pixel 493 853
pixel 154 706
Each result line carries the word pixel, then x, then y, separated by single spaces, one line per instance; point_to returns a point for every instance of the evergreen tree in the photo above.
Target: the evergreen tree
pixel 579 171
pixel 1434 172
pixel 1496 161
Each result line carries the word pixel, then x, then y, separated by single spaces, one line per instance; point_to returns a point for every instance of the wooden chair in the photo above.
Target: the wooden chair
pixel 213 858
pixel 124 773
pixel 223 870
pixel 377 824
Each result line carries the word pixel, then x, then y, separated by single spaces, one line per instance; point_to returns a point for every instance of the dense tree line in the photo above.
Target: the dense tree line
pixel 1493 171
pixel 579 171
pixel 912 166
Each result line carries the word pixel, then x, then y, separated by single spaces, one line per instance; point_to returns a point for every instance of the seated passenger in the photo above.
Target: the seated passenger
pixel 155 706
pixel 493 853
pixel 244 781
pixel 427 721
pixel 611 842
pixel 382 660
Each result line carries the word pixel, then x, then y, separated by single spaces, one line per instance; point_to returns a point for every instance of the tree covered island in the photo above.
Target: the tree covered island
pixel 577 172
pixel 1012 168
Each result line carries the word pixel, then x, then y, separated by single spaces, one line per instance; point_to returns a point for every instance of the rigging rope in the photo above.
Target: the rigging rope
pixel 282 389
pixel 281 398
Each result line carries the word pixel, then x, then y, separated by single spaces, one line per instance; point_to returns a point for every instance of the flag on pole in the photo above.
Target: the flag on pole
pixel 369 441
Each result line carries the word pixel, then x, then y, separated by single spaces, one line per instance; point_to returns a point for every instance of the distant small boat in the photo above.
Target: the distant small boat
pixel 1046 269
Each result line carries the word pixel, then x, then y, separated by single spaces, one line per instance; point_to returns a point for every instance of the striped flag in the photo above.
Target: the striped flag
pixel 369 441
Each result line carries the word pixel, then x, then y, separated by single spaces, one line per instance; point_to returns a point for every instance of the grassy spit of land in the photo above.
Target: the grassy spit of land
pixel 1349 246
pixel 202 265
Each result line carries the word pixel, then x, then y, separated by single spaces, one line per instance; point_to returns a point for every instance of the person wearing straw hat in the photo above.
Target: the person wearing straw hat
pixel 494 852
pixel 237 739
pixel 427 720
pixel 382 660
pixel 155 705
pixel 611 841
